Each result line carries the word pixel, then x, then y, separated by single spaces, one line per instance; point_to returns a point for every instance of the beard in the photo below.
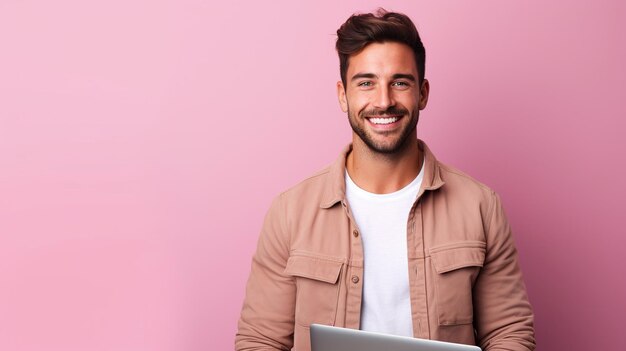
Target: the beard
pixel 394 146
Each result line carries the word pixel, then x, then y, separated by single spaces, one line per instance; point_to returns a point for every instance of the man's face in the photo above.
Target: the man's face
pixel 382 96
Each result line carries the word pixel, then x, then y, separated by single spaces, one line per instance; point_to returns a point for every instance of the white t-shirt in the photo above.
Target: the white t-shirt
pixel 382 221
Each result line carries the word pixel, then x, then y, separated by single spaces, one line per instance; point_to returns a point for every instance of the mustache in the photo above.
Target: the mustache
pixel 390 111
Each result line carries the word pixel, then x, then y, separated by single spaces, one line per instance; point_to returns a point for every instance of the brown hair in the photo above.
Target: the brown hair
pixel 361 30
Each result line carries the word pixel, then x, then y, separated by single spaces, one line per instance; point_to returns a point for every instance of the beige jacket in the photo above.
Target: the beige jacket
pixel 465 282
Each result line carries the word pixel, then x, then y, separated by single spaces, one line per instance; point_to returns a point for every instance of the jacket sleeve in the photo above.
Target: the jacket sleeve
pixel 502 312
pixel 267 316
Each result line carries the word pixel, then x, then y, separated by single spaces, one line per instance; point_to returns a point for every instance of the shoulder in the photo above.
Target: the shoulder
pixel 313 184
pixel 454 177
pixel 465 189
pixel 306 195
pixel 472 203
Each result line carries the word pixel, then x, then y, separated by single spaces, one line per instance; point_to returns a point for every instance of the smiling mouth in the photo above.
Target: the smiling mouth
pixel 383 120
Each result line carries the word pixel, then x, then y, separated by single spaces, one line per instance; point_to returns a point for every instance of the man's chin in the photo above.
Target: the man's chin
pixel 386 148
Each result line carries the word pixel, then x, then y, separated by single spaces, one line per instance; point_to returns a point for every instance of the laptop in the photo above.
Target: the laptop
pixel 327 338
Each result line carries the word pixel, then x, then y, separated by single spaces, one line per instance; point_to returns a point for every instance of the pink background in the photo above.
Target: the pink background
pixel 141 143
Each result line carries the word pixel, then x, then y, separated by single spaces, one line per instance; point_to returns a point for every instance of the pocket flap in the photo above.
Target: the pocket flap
pixel 314 268
pixel 469 254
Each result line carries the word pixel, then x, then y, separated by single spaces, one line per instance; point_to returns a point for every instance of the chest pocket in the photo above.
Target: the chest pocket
pixel 317 285
pixel 456 268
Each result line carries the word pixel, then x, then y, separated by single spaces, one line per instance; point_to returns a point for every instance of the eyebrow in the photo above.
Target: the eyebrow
pixel 363 75
pixel 372 75
pixel 404 76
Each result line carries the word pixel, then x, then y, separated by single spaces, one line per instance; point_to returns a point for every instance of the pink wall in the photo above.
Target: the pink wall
pixel 142 141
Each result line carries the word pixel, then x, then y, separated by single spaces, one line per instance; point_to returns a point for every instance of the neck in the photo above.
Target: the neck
pixel 381 173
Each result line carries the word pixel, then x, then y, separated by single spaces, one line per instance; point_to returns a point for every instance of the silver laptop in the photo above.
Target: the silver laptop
pixel 326 338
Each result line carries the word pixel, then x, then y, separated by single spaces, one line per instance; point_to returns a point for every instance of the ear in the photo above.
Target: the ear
pixel 341 95
pixel 424 91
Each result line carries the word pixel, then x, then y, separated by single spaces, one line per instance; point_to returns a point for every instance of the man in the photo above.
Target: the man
pixel 387 238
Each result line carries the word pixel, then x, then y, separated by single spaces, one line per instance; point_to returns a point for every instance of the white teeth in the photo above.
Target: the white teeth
pixel 383 120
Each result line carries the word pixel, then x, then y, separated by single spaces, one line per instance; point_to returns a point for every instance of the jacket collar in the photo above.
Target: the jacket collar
pixel 335 187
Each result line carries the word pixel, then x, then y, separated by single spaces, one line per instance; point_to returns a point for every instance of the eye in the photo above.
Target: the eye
pixel 365 84
pixel 401 85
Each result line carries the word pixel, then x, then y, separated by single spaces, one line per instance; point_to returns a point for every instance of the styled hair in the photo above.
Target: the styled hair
pixel 361 30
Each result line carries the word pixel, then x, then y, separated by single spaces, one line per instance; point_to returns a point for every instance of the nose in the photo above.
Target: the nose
pixel 384 98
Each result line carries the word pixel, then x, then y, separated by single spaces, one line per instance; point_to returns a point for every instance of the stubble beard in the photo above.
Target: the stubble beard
pixel 387 149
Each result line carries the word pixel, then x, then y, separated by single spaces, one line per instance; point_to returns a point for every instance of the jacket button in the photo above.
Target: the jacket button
pixel 355 233
pixel 355 279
